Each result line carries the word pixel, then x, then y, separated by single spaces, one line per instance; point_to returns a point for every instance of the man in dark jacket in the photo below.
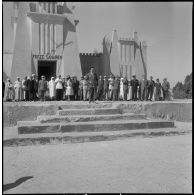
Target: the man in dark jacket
pixel 150 89
pixel 93 80
pixel 42 88
pixel 143 88
pixel 116 88
pixel 28 88
pixel 34 88
pixel 75 87
pixel 125 88
pixel 134 86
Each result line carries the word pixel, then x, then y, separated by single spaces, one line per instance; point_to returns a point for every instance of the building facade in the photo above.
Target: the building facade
pixel 44 40
pixel 41 38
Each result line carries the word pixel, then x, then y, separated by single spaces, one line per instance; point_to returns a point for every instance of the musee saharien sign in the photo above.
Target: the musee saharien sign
pixel 47 57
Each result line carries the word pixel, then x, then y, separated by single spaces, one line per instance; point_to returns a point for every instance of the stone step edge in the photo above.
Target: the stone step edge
pixel 87 116
pixel 37 123
pixel 65 138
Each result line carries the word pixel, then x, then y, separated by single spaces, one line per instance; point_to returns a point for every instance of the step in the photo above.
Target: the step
pixel 85 118
pixel 79 137
pixel 28 127
pixel 90 111
pixel 85 105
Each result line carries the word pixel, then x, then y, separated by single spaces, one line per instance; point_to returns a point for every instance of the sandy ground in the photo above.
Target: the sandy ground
pixel 150 165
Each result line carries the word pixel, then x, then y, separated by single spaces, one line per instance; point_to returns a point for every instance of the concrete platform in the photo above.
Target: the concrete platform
pixel 80 137
pixel 85 118
pixel 177 110
pixel 90 111
pixel 28 127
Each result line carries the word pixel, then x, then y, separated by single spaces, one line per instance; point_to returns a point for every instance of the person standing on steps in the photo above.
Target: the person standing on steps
pixel 134 87
pixel 93 81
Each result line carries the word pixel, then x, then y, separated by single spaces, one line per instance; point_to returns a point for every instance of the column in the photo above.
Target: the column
pixel 51 38
pixel 54 38
pixel 44 39
pixel 125 48
pixel 40 38
pixel 48 38
pixel 123 54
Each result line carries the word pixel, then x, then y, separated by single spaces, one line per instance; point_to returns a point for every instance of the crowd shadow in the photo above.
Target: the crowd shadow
pixel 16 183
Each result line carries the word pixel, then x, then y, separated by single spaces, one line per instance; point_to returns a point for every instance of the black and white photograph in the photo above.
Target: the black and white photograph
pixel 97 97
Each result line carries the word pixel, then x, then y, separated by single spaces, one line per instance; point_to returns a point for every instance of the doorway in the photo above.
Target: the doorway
pixel 46 68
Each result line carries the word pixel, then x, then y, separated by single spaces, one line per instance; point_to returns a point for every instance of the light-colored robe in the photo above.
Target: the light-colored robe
pixel 18 91
pixel 52 88
pixel 9 91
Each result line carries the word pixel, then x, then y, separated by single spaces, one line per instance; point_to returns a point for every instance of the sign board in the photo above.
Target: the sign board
pixel 47 57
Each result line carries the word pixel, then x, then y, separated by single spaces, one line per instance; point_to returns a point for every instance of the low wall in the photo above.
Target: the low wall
pixel 179 111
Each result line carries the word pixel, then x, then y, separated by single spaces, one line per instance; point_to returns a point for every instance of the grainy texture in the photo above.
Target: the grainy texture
pixel 150 165
pixel 174 110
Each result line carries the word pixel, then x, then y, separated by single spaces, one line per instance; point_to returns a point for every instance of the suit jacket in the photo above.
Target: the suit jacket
pixel 43 85
pixel 134 83
pixel 93 79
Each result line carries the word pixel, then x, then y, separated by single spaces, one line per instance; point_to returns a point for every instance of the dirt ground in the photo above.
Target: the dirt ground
pixel 151 165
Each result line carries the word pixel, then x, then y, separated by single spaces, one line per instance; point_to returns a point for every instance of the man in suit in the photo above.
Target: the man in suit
pixel 125 88
pixel 134 86
pixel 93 81
pixel 42 88
pixel 143 88
pixel 116 88
pixel 150 85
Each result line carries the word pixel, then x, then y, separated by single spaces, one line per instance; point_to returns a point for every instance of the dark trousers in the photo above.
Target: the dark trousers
pixel 92 94
pixel 134 93
pixel 105 94
pixel 75 94
pixel 59 94
pixel 42 95
pixel 115 94
pixel 125 95
pixel 100 94
pixel 33 95
pixel 150 93
pixel 27 95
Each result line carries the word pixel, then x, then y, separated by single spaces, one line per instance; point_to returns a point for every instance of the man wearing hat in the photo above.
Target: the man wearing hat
pixel 134 86
pixel 93 81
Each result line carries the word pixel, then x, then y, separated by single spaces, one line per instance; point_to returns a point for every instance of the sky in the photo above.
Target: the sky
pixel 165 26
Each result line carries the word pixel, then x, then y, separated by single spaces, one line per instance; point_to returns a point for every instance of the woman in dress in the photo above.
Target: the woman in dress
pixel 9 90
pixel 18 90
pixel 69 89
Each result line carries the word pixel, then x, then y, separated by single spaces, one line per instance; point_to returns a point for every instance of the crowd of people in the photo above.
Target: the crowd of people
pixel 88 88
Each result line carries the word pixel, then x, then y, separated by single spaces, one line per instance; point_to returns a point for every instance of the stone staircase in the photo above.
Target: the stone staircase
pixel 80 123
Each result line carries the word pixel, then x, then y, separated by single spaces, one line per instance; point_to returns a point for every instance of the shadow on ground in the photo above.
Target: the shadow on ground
pixel 16 183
